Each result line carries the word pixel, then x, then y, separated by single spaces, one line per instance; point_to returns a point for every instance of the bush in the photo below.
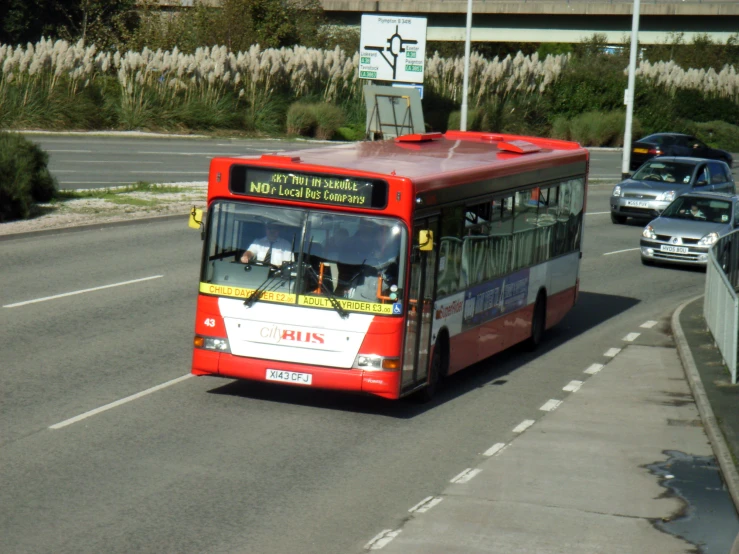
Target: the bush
pixel 328 120
pixel 595 128
pixel 319 120
pixel 301 120
pixel 24 177
pixel 474 120
pixel 718 134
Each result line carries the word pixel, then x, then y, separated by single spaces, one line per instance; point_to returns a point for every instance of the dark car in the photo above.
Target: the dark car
pixel 689 227
pixel 674 144
pixel 660 180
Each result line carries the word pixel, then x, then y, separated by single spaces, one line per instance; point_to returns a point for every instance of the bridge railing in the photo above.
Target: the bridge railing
pixel 721 304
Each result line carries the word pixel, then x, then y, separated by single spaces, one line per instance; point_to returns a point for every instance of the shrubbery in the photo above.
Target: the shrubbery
pixel 24 177
pixel 318 120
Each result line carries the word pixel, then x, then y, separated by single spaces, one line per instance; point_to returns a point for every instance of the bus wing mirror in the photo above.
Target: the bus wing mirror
pixel 425 240
pixel 196 218
pixel 196 221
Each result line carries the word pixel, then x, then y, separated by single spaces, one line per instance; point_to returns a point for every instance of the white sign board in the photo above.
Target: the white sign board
pixel 392 48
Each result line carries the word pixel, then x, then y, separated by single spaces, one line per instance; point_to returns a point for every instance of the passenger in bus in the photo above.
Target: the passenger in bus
pixel 270 249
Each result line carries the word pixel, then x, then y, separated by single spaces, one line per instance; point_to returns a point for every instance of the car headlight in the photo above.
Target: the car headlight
pixel 708 240
pixel 617 190
pixel 649 233
pixel 667 196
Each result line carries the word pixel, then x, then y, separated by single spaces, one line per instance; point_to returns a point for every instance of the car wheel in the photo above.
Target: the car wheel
pixel 618 219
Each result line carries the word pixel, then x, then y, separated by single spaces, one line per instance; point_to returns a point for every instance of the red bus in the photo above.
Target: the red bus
pixel 381 267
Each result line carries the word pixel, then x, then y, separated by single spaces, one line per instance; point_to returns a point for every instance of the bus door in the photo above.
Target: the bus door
pixel 420 308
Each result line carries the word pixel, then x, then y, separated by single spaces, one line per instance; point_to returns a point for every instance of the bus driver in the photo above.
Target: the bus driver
pixel 270 249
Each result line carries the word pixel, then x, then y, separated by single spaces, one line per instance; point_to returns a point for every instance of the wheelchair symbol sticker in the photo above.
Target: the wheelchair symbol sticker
pixel 397 308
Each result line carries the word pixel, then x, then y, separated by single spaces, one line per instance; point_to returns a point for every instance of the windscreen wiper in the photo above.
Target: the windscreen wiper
pixel 329 294
pixel 249 302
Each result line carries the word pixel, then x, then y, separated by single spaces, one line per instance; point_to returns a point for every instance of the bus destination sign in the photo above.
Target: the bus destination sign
pixel 303 187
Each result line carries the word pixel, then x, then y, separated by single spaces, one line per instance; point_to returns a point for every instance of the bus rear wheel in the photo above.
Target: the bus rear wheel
pixel 538 322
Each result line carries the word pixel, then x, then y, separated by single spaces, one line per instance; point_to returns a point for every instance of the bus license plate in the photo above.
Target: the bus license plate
pixel 674 249
pixel 289 377
pixel 637 204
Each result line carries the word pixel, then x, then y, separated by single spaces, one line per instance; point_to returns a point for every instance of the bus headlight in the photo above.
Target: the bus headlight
pixel 212 343
pixel 372 362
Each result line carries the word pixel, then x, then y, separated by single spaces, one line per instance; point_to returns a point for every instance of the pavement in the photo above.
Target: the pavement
pixel 641 458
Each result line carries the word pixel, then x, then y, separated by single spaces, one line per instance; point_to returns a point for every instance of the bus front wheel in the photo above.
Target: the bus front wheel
pixel 427 393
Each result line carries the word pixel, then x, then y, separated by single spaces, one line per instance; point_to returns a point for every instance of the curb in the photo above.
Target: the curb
pixel 90 226
pixel 715 436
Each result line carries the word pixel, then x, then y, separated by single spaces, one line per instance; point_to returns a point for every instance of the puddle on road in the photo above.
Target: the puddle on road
pixel 708 519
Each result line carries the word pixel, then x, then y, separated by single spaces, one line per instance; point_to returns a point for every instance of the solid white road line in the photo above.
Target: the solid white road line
pixel 631 337
pixel 81 291
pixel 593 369
pixel 620 251
pixel 118 402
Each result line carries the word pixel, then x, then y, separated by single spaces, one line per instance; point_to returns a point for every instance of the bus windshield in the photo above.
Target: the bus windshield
pixel 305 256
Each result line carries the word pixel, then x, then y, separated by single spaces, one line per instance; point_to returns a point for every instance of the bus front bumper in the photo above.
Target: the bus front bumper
pixel 385 384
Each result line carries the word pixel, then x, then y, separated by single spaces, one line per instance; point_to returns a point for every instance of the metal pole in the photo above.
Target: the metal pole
pixel 465 82
pixel 629 95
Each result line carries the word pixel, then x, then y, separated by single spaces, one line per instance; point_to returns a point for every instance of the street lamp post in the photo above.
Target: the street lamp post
pixel 629 94
pixel 465 81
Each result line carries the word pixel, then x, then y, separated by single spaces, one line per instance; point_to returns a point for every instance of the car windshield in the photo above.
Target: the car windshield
pixel 664 172
pixel 308 257
pixel 699 209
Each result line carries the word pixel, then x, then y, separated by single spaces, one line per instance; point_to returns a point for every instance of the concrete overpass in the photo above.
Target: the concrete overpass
pixel 549 21
pixel 544 20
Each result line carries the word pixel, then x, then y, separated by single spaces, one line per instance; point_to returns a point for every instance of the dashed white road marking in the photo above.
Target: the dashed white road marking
pixel 382 539
pixel 572 386
pixel 611 352
pixel 594 368
pixel 621 251
pixel 550 405
pixel 465 476
pixel 81 291
pixel 525 424
pixel 631 337
pixel 495 449
pixel 118 402
pixel 648 324
pixel 426 504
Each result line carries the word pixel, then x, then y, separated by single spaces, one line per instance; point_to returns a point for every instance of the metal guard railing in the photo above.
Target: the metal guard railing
pixel 721 304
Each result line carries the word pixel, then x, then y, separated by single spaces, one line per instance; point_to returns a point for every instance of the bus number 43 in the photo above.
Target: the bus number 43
pixel 209 322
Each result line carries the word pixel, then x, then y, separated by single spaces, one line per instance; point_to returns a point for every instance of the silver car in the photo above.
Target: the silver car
pixel 688 227
pixel 660 180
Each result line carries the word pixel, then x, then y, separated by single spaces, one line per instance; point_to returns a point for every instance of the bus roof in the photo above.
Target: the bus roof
pixel 431 159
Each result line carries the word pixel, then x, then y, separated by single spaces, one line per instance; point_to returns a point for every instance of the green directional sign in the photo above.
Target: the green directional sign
pixel 368 74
